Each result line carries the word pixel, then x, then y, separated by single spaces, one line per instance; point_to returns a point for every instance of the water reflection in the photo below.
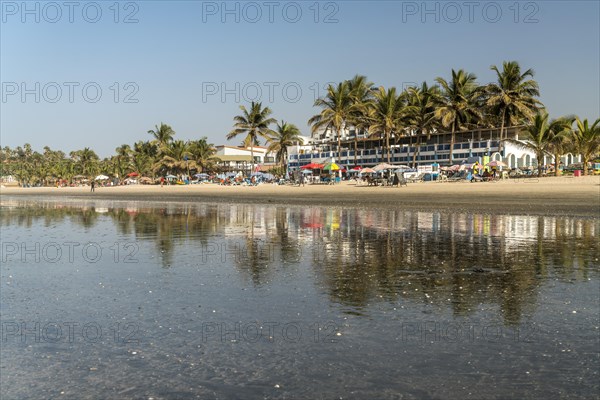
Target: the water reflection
pixel 357 256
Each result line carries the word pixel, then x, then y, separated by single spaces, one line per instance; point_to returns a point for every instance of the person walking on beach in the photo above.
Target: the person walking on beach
pixel 162 181
pixel 93 186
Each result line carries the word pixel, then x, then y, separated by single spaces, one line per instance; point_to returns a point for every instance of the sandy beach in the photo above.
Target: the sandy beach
pixel 546 196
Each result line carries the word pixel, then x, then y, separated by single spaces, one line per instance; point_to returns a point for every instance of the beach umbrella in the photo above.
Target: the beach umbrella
pixel 307 172
pixel 171 177
pixel 331 167
pixel 132 174
pixel 357 168
pixel 257 174
pixel 312 166
pixel 201 175
pixel 268 176
pixel 101 178
pixel 455 167
pixel 383 166
pixel 497 164
pixel 367 171
pixel 221 176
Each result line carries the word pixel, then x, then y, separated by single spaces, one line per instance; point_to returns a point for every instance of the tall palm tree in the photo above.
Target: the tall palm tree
pixel 279 140
pixel 421 113
pixel 540 135
pixel 586 140
pixel 337 107
pixel 457 103
pixel 560 142
pixel 387 112
pixel 512 97
pixel 361 94
pixel 203 155
pixel 254 123
pixel 163 135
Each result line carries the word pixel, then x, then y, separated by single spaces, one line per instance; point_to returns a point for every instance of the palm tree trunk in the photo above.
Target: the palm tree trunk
pixel 355 145
pixel 417 147
pixel 451 144
pixel 540 158
pixel 387 146
pixel 585 160
pixel 556 164
pixel 501 144
pixel 339 152
pixel 251 157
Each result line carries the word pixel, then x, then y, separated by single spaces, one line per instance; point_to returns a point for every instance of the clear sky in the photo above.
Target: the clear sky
pixel 100 74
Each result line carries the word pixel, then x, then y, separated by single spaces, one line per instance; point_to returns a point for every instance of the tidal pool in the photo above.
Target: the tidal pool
pixel 140 300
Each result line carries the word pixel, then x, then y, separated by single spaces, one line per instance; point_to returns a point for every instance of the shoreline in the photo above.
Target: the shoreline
pixel 546 196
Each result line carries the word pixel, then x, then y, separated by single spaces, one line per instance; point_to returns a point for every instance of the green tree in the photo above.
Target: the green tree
pixel 512 97
pixel 387 113
pixel 279 140
pixel 540 136
pixel 203 155
pixel 254 123
pixel 163 135
pixel 420 113
pixel 586 140
pixel 337 108
pixel 361 95
pixel 456 106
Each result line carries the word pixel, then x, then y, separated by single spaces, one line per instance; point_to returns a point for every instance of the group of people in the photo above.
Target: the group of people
pixel 490 173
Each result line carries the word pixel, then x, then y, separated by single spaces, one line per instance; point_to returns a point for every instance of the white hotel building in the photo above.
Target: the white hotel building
pixel 469 145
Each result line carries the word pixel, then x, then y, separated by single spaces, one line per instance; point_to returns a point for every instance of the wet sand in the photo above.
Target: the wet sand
pixel 547 196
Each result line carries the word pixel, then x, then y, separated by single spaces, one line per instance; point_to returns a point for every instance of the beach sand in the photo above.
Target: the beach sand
pixel 547 196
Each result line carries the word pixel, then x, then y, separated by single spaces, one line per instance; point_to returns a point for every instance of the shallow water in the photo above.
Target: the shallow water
pixel 107 299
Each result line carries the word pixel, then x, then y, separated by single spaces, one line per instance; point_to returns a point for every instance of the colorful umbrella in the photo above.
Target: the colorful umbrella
pixel 497 164
pixel 367 171
pixel 312 166
pixel 331 167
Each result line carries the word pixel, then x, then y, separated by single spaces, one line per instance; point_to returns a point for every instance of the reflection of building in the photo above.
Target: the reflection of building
pixel 240 158
pixel 370 151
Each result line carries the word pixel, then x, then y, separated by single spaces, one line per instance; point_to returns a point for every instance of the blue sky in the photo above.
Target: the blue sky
pixel 175 58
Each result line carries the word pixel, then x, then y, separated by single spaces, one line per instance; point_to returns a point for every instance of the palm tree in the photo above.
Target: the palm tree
pixel 286 135
pixel 512 97
pixel 421 113
pixel 163 135
pixel 540 136
pixel 586 140
pixel 456 105
pixel 85 159
pixel 361 94
pixel 203 155
pixel 254 123
pixel 387 108
pixel 337 107
pixel 560 142
pixel 174 156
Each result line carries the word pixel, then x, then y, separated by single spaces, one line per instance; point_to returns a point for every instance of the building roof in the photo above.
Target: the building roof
pixel 235 157
pixel 256 148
